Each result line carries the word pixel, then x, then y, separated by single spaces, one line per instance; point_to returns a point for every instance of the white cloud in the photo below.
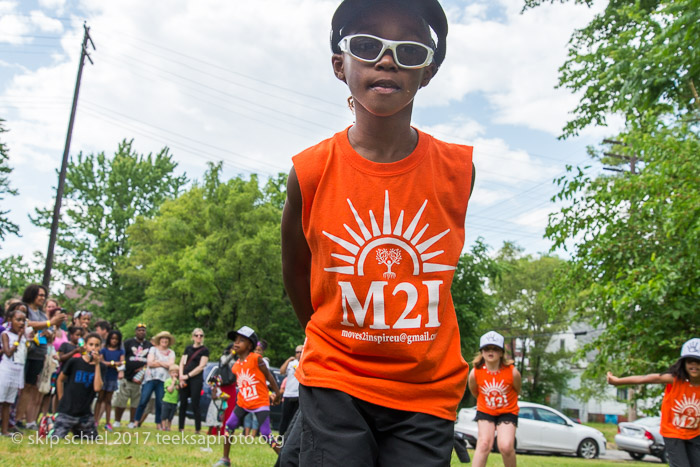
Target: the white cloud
pixel 44 23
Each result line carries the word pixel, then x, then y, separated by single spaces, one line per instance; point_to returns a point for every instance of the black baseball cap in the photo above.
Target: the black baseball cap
pixel 246 332
pixel 429 10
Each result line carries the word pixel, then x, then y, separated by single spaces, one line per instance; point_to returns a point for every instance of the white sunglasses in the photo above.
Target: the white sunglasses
pixel 370 49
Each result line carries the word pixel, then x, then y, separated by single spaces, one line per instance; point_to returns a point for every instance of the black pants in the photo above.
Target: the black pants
pixel 193 390
pixel 340 430
pixel 683 452
pixel 289 408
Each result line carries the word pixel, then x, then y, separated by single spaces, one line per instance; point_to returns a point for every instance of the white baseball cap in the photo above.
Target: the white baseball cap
pixel 691 348
pixel 491 338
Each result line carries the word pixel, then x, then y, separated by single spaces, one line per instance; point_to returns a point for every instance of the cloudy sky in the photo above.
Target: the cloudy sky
pixel 250 84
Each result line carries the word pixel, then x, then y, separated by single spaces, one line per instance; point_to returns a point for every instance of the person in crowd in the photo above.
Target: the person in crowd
pixel 253 394
pixel 80 380
pixel 261 348
pixel 496 384
pixel 30 399
pixel 372 231
pixel 113 358
pixel 72 348
pixel 14 355
pixel 11 306
pixel 290 401
pixel 680 408
pixel 136 356
pixel 61 336
pixel 102 328
pixel 192 364
pixel 160 358
pixel 170 398
pixel 228 383
pixel 250 425
pixel 82 319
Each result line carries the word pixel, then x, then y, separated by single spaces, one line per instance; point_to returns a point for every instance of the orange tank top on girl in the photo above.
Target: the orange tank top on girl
pixel 496 393
pixel 250 382
pixel 680 410
pixel 385 239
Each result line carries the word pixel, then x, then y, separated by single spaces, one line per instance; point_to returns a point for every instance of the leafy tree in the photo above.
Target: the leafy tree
pixel 211 258
pixel 103 197
pixel 472 301
pixel 523 316
pixel 15 275
pixel 6 225
pixel 633 237
pixel 635 270
pixel 636 58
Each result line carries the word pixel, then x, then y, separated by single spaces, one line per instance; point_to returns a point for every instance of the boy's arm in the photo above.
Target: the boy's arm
pixel 97 381
pixel 296 256
pixel 654 378
pixel 271 379
pixel 59 385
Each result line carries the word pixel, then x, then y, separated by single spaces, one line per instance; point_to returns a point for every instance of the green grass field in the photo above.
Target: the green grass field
pixel 150 447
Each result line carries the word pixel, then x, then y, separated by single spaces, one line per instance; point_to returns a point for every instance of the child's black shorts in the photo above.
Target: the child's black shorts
pixel 340 430
pixel 497 419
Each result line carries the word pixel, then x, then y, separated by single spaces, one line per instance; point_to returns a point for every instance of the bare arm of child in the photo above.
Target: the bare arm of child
pixel 59 385
pixel 653 378
pixel 473 388
pixel 296 256
pixel 97 381
pixel 271 379
pixel 7 349
pixel 517 380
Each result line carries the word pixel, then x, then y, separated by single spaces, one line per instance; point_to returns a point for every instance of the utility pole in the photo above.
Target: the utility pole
pixel 631 159
pixel 62 174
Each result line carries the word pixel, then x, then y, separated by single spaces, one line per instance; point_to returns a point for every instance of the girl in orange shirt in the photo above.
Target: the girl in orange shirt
pixel 496 383
pixel 680 409
pixel 253 395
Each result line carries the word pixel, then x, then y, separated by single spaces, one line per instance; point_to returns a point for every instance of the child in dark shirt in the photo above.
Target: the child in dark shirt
pixel 72 347
pixel 80 380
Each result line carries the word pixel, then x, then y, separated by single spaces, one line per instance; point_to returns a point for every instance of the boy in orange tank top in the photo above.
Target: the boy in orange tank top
pixel 496 383
pixel 680 409
pixel 372 231
pixel 253 396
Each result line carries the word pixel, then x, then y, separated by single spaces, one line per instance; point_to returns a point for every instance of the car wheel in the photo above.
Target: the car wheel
pixel 588 449
pixel 637 455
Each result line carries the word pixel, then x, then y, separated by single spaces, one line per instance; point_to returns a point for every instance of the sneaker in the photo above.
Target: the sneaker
pixel 108 427
pixel 21 425
pixel 131 425
pixel 223 463
pixel 116 424
pixel 32 426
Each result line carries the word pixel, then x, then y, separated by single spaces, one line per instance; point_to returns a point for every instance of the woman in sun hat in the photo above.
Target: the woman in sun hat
pixel 160 358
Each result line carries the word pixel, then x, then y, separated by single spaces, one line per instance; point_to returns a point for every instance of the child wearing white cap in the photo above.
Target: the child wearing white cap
pixel 496 383
pixel 680 409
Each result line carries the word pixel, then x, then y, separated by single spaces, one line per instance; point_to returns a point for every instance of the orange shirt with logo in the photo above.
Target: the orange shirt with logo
pixel 250 383
pixel 680 410
pixel 496 393
pixel 385 239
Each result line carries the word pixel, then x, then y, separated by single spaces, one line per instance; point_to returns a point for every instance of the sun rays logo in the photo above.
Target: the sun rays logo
pixel 247 385
pixel 686 412
pixel 495 394
pixel 408 240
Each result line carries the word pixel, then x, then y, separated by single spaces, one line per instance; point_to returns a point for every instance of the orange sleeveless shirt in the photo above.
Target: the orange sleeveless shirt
pixel 384 241
pixel 496 393
pixel 680 410
pixel 250 383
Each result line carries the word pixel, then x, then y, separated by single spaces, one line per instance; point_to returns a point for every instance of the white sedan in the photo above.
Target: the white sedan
pixel 540 429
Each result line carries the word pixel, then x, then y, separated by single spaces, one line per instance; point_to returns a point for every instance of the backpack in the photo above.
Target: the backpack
pixel 226 369
pixel 46 425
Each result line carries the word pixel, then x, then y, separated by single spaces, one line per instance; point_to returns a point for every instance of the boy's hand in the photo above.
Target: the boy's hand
pixel 612 379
